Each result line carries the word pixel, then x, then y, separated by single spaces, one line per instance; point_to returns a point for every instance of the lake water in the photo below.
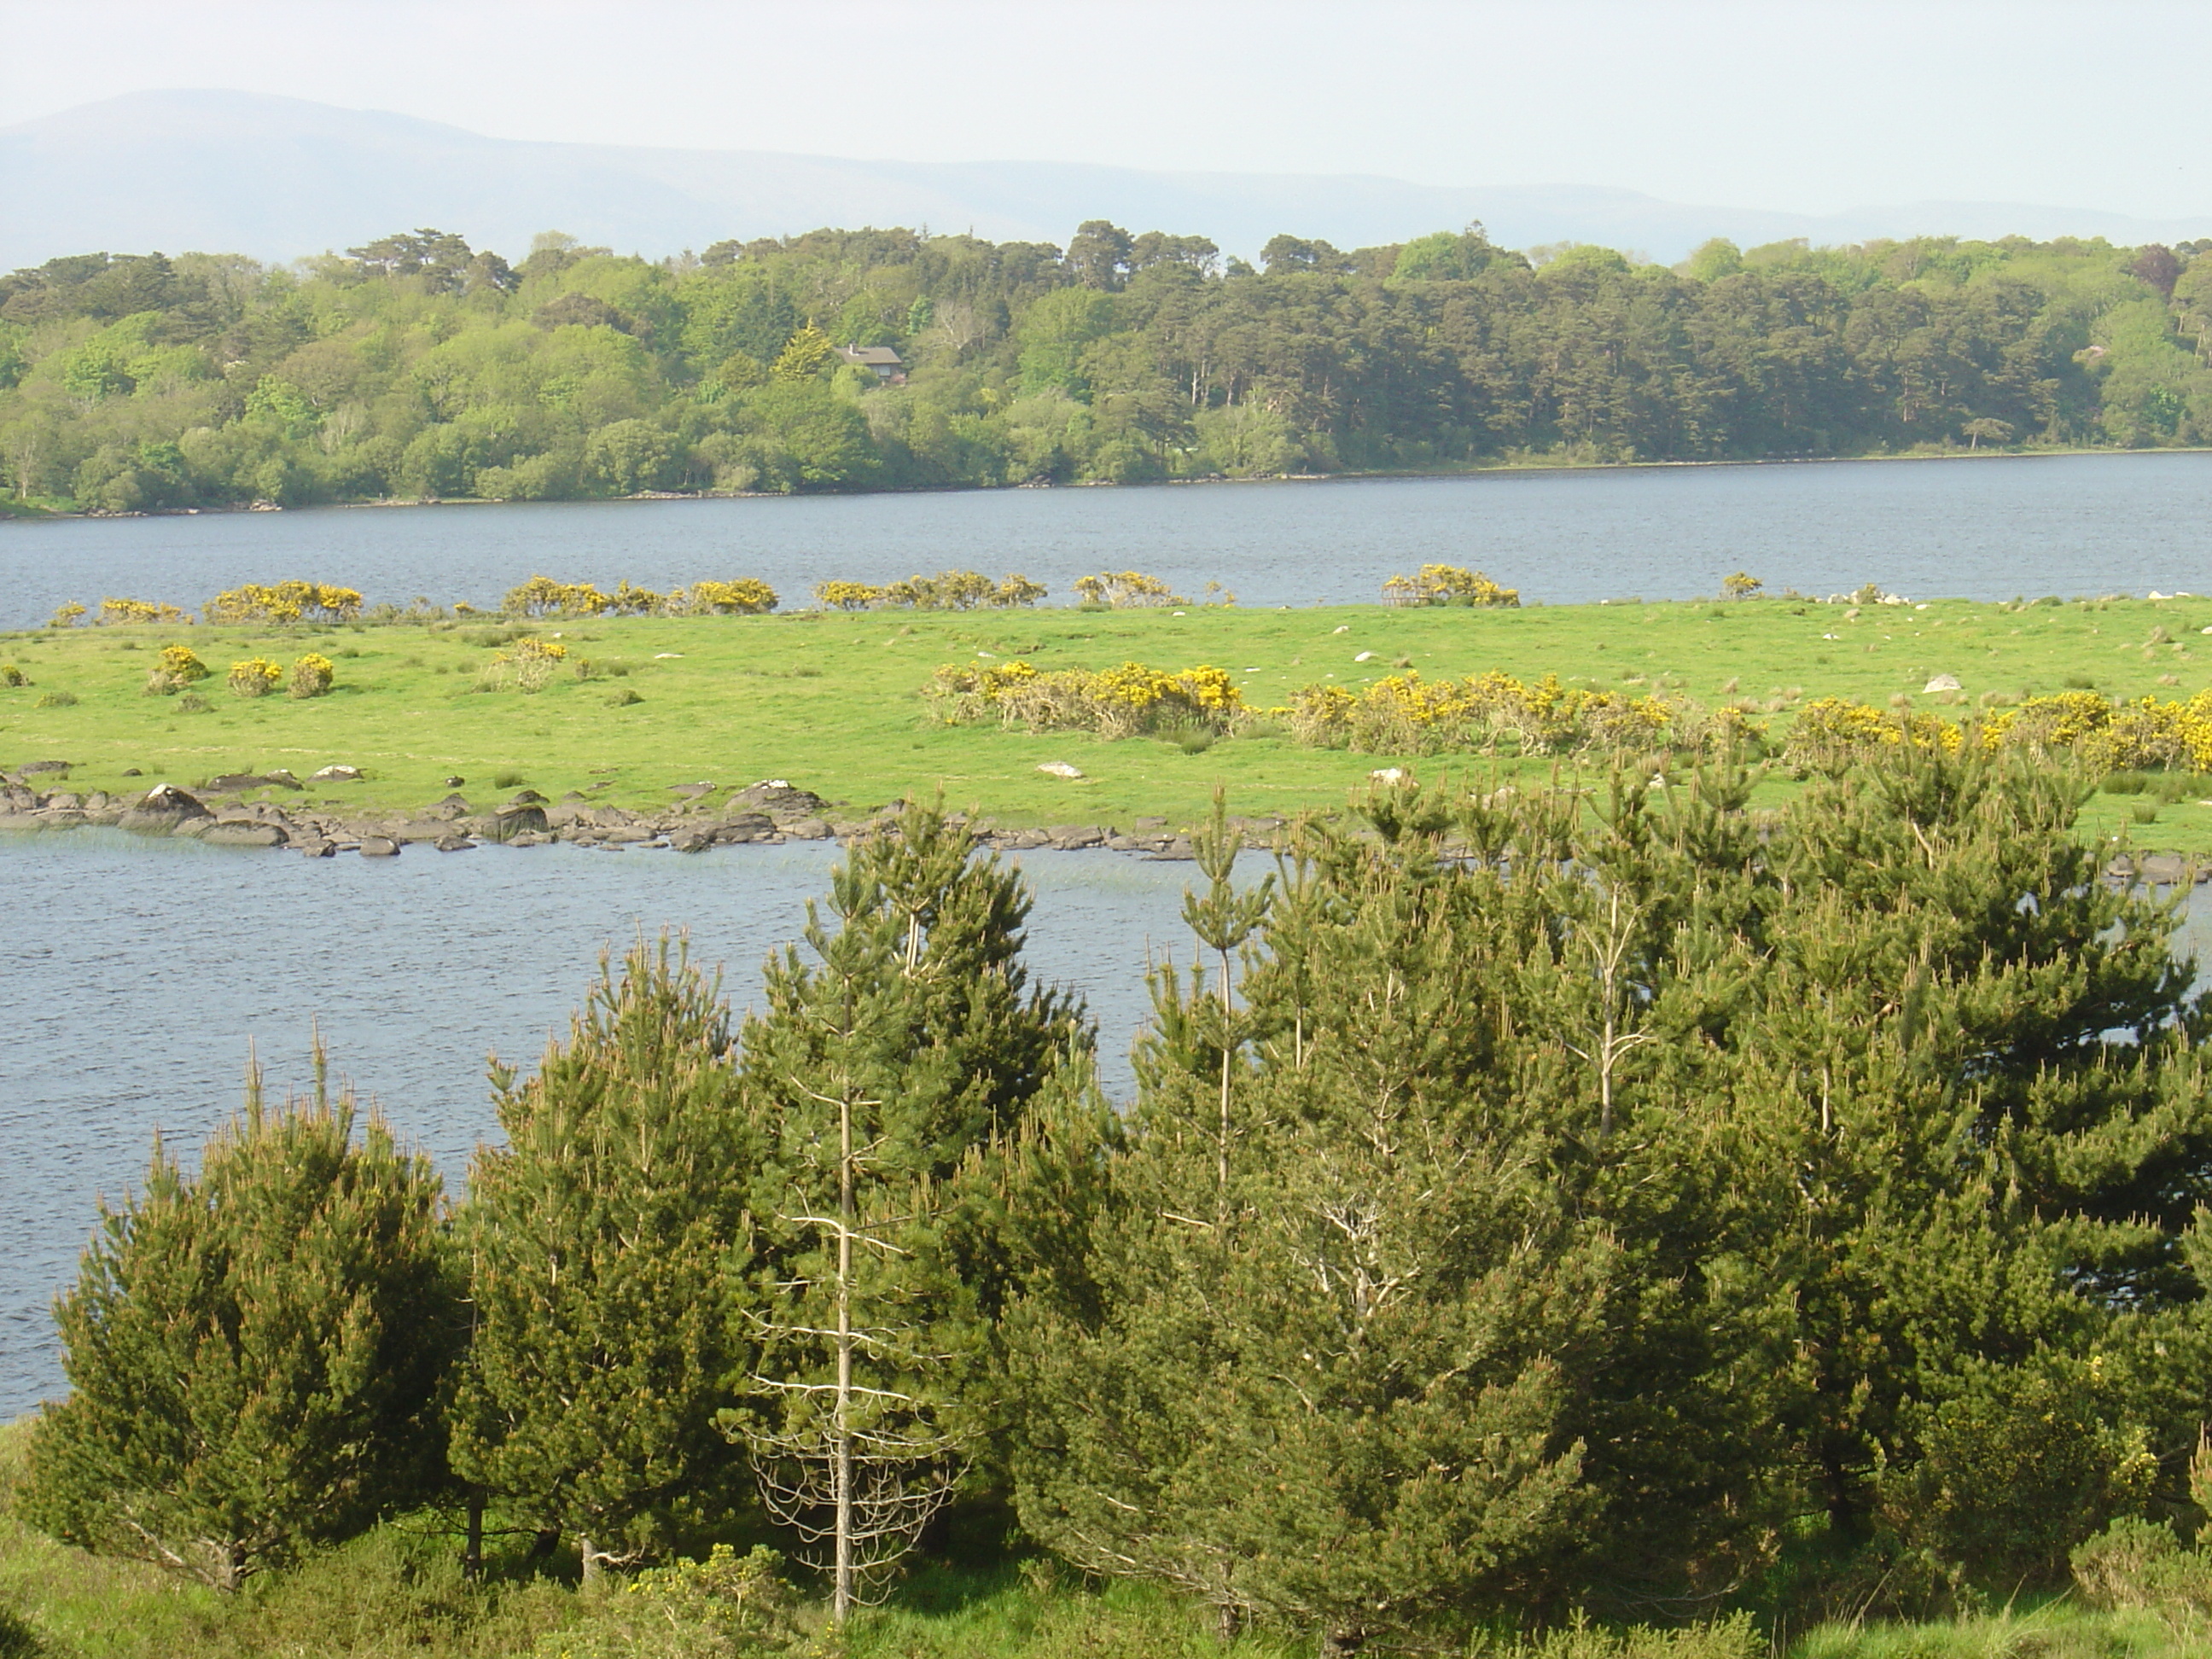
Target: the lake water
pixel 136 974
pixel 1981 528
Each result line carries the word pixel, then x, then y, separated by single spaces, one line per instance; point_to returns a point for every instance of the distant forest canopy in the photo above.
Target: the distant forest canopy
pixel 417 367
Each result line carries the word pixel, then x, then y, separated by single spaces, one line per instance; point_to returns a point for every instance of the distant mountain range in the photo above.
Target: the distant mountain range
pixel 279 178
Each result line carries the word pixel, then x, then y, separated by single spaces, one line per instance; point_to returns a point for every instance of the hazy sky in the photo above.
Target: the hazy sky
pixel 1809 105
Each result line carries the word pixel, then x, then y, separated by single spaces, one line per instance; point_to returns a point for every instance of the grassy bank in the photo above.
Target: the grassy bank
pixel 830 701
pixel 399 1591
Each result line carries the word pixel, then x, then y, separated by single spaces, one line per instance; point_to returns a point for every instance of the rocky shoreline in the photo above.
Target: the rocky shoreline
pixel 219 813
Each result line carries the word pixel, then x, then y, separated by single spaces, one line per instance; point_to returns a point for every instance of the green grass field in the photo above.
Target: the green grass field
pixel 831 700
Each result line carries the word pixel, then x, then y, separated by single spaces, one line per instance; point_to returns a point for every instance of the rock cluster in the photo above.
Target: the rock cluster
pixel 701 814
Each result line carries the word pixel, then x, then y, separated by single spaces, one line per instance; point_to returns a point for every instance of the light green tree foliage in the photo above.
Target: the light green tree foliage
pixel 254 1352
pixel 609 1253
pixel 1713 260
pixel 417 371
pixel 1053 334
pixel 1446 257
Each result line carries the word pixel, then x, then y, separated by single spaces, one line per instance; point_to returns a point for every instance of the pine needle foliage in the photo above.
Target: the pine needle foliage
pixel 609 1246
pixel 896 1058
pixel 255 1352
pixel 1570 1201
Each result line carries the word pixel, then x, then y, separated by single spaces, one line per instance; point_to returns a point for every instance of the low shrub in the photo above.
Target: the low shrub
pixel 541 596
pixel 283 602
pixel 622 698
pixel 2123 737
pixel 746 597
pixel 723 1608
pixel 257 676
pixel 1403 714
pixel 312 677
pixel 1447 584
pixel 67 616
pixel 127 612
pixel 526 668
pixel 846 596
pixel 177 668
pixel 507 778
pixel 12 675
pixel 959 590
pixel 57 700
pixel 192 703
pixel 1126 590
pixel 1112 702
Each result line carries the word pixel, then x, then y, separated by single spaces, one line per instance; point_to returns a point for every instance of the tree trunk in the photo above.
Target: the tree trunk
pixel 588 1554
pixel 841 1594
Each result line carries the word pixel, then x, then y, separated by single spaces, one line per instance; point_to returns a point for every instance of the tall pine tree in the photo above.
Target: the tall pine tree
pixel 609 1251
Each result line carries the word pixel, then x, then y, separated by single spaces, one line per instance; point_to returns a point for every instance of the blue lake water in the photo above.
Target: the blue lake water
pixel 1982 528
pixel 140 975
pixel 133 976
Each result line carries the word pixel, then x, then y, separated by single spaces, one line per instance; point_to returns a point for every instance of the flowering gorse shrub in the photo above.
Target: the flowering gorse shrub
pixel 527 665
pixel 748 596
pixel 176 668
pixel 66 616
pixel 960 590
pixel 256 677
pixel 312 676
pixel 2142 734
pixel 283 602
pixel 1126 590
pixel 541 596
pixel 12 675
pixel 127 612
pixel 846 596
pixel 1447 584
pixel 1404 714
pixel 1114 702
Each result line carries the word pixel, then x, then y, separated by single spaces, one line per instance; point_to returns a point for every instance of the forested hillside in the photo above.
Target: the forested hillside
pixel 416 367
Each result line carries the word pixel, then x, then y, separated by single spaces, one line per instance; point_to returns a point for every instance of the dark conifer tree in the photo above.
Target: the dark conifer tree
pixel 254 1352
pixel 609 1253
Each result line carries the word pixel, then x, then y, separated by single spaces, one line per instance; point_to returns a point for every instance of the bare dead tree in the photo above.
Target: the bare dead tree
pixel 858 1467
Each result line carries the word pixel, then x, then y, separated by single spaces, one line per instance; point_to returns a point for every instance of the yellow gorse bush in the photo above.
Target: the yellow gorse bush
pixel 255 678
pixel 66 616
pixel 541 596
pixel 176 668
pixel 283 602
pixel 748 596
pixel 1404 714
pixel 1447 584
pixel 2144 734
pixel 312 676
pixel 846 596
pixel 1121 701
pixel 128 612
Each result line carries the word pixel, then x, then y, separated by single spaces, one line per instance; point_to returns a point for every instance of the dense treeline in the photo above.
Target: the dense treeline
pixel 417 367
pixel 1529 1204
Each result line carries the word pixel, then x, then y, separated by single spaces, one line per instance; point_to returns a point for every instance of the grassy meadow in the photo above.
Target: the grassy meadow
pixel 831 700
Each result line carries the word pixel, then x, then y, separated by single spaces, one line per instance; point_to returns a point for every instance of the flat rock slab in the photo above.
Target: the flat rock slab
pixel 379 846
pixel 244 834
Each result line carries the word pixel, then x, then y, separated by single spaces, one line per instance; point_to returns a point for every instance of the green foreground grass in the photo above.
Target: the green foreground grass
pixel 831 700
pixel 399 1591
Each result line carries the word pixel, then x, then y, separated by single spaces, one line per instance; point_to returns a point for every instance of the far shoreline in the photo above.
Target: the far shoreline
pixel 18 513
